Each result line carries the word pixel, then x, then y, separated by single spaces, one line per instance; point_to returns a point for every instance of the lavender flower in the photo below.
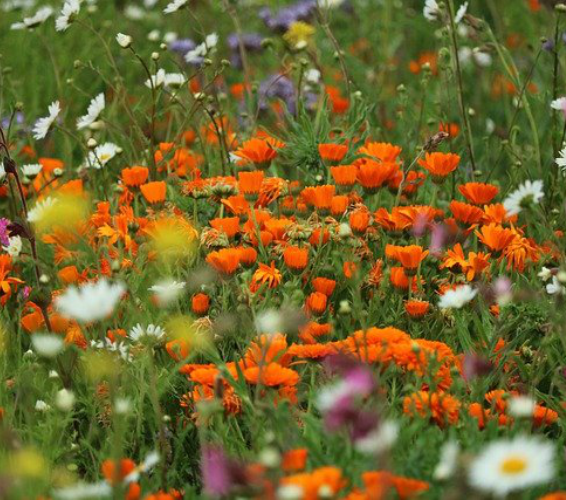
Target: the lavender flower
pixel 282 20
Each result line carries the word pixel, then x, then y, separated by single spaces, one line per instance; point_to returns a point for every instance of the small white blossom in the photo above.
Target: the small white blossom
pixel 521 406
pixel 37 19
pixel 43 125
pixel 65 400
pixel 381 439
pixel 15 247
pixel 124 41
pixel 431 10
pixel 40 208
pixel 555 288
pixel 545 274
pixel 457 298
pixel 70 10
pixel 448 460
pixel 167 291
pixel 102 155
pixel 138 332
pixel 47 344
pixel 95 107
pixel 203 49
pixel 529 192
pixel 41 406
pixel 31 170
pixel 174 6
pixel 559 105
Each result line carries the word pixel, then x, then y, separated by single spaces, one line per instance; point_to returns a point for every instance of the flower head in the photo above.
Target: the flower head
pixel 43 125
pixel 95 107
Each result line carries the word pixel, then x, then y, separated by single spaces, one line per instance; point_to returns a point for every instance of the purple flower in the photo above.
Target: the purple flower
pixel 182 46
pixel 475 366
pixel 251 41
pixel 282 20
pixel 4 232
pixel 219 472
pixel 278 86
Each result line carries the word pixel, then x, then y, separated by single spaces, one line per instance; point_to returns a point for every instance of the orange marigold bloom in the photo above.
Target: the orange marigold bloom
pixel 135 176
pixel 228 225
pixel 378 484
pixel 332 153
pixel 295 460
pixel 225 261
pixel 409 257
pixel 452 129
pixel 257 151
pixel 544 416
pixel 339 205
pixel 439 406
pixel 178 349
pixel 495 237
pixel 557 495
pixel 478 193
pixel 383 151
pixel 324 285
pixel 372 175
pixel 249 183
pixel 271 375
pixel 248 256
pixel 496 214
pixel 417 308
pixel 200 303
pixel 265 274
pixel 268 349
pixel 344 175
pixel 321 196
pixel 349 269
pixel 296 258
pixel 154 192
pixel 439 165
pixel 311 483
pixel 467 214
pixel 316 303
pixel 319 236
pixel 359 220
pixel 115 473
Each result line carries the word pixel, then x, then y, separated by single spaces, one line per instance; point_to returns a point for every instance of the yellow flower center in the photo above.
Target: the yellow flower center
pixel 514 465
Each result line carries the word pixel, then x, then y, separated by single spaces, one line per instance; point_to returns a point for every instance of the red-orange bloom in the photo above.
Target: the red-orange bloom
pixel 316 303
pixel 249 183
pixel 269 275
pixel 324 285
pixel 409 257
pixel 478 193
pixel 115 473
pixel 439 165
pixel 417 308
pixel 135 176
pixel 225 261
pixel 439 406
pixel 383 151
pixel 296 258
pixel 372 175
pixel 332 153
pixel 228 225
pixel 344 175
pixel 495 237
pixel 154 192
pixel 467 214
pixel 200 303
pixel 257 151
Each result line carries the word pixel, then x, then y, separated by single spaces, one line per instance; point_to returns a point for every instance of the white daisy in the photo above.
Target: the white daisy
pixel 31 170
pixel 521 406
pixel 151 331
pixel 38 211
pixel 167 291
pixel 529 192
pixel 559 104
pixel 70 9
pixel 102 155
pixel 91 301
pixel 431 10
pixel 156 80
pixel 37 19
pixel 203 49
pixel 15 247
pixel 555 288
pixel 461 12
pixel 448 460
pixel 561 160
pixel 122 349
pixel 174 6
pixel 95 107
pixel 174 80
pixel 124 41
pixel 510 465
pixel 47 345
pixel 457 298
pixel 43 125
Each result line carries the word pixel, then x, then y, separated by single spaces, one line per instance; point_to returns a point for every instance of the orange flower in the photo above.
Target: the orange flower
pixel 200 304
pixel 467 214
pixel 294 460
pixel 265 274
pixel 249 183
pixel 225 261
pixel 321 196
pixel 344 176
pixel 339 205
pixel 452 129
pixel 135 176
pixel 359 220
pixel 495 237
pixel 271 375
pixel 115 473
pixel 417 308
pixel 372 175
pixel 316 303
pixel 248 256
pixel 324 285
pixel 228 225
pixel 478 193
pixel 439 406
pixel 378 484
pixel 312 483
pixel 6 282
pixel 409 257
pixel 332 153
pixel 439 165
pixel 257 151
pixel 350 269
pixel 296 258
pixel 154 192
pixel 382 151
pixel 178 349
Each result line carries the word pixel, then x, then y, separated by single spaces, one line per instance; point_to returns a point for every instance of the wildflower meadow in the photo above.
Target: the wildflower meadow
pixel 282 249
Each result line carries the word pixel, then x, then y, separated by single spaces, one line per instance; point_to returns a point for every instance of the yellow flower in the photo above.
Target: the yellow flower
pixel 299 35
